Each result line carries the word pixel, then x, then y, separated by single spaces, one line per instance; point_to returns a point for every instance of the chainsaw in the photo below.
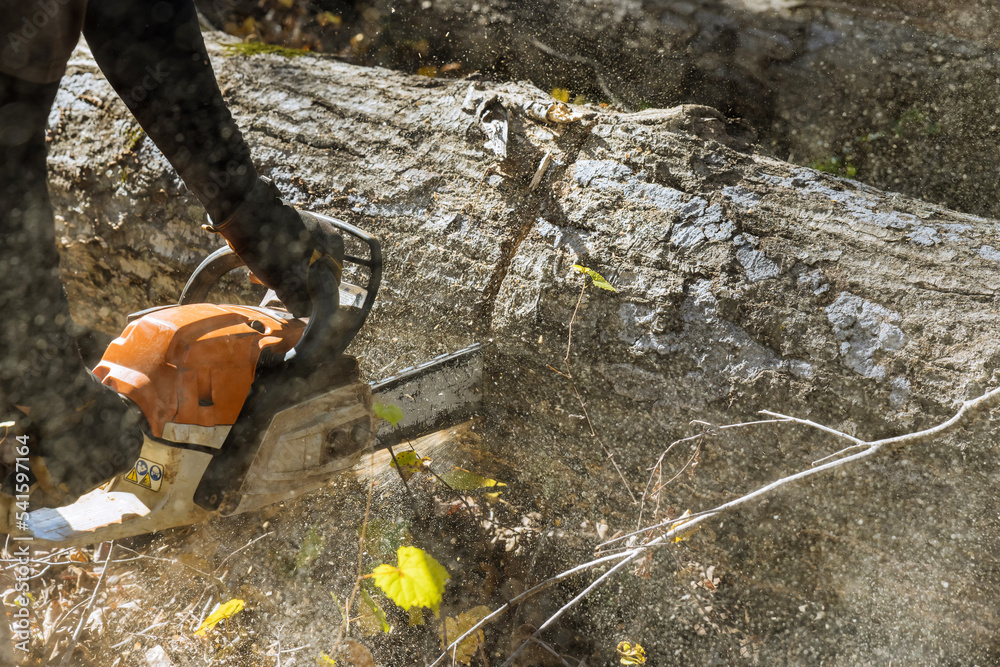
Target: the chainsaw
pixel 248 405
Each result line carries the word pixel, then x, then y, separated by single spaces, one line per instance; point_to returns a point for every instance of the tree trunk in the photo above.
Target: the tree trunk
pixel 899 94
pixel 743 283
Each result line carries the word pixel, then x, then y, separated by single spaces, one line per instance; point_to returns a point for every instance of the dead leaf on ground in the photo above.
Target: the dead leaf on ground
pixel 457 627
pixel 356 654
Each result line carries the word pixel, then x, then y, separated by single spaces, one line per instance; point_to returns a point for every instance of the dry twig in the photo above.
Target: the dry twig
pixel 86 612
pixel 583 404
pixel 677 529
pixel 345 626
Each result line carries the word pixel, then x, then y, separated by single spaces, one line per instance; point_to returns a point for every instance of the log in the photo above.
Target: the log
pixel 743 283
pixel 898 94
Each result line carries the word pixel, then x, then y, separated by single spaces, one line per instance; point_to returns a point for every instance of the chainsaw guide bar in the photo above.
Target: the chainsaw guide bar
pixel 434 395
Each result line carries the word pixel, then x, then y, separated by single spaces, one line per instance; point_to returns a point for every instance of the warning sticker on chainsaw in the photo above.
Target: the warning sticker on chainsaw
pixel 146 474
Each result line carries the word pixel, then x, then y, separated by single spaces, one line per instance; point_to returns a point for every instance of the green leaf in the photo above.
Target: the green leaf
pixel 372 618
pixel 461 479
pixel 598 279
pixel 312 547
pixel 391 413
pixel 384 536
pixel 418 580
pixel 219 614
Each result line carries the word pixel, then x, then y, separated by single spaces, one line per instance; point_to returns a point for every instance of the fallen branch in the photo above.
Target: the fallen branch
pixel 86 612
pixel 680 527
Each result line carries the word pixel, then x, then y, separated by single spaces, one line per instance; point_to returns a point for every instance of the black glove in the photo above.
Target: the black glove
pixel 278 244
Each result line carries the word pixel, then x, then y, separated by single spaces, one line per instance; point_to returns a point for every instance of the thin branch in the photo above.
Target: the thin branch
pixel 248 544
pixel 551 650
pixel 537 588
pixel 596 66
pixel 361 554
pixel 821 427
pixel 680 527
pixel 586 413
pixel 566 607
pixel 569 338
pixel 838 453
pixel 659 461
pixel 86 612
pixel 174 561
pixel 399 469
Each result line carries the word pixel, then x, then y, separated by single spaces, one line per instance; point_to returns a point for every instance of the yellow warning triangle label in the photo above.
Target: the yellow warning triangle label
pixel 131 476
pixel 145 481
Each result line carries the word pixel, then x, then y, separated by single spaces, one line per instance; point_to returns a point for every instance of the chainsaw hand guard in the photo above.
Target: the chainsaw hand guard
pixel 338 313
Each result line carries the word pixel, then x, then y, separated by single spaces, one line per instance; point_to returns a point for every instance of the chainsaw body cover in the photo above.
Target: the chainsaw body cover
pixel 193 365
pixel 191 369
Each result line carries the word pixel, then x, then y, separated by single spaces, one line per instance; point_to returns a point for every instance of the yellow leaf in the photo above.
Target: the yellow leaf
pixel 598 279
pixel 684 534
pixel 429 70
pixel 324 659
pixel 461 479
pixel 632 654
pixel 560 94
pixel 418 581
pixel 409 464
pixel 329 18
pixel 458 627
pixel 219 614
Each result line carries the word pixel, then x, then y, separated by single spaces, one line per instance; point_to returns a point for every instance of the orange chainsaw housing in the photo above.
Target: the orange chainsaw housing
pixel 194 364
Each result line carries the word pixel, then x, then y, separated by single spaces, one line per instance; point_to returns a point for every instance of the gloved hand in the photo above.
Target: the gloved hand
pixel 278 244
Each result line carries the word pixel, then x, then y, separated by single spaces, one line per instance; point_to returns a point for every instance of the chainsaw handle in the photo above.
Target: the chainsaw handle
pixel 325 295
pixel 327 319
pixel 208 274
pixel 340 319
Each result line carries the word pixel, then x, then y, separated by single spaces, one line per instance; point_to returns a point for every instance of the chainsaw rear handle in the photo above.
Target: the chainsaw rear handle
pixel 326 319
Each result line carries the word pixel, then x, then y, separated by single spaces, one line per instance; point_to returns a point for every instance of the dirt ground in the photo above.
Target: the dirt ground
pixel 286 562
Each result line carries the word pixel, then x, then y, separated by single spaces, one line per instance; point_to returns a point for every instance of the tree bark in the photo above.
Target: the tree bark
pixel 743 283
pixel 900 97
